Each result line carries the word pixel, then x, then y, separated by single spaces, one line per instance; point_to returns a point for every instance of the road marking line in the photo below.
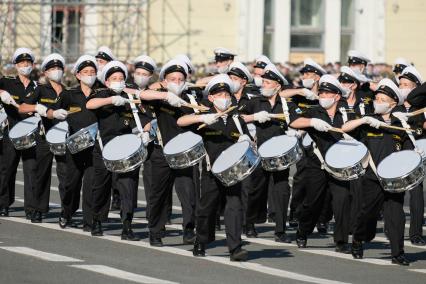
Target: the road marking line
pixel 251 266
pixel 348 256
pixel 418 270
pixel 121 274
pixel 41 254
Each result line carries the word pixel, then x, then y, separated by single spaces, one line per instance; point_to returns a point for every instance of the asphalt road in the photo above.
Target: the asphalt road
pixel 44 253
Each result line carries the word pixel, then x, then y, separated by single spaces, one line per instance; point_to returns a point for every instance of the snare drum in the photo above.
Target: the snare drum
pixel 23 134
pixel 56 137
pixel 346 159
pixel 184 150
pixel 3 124
pixel 236 163
pixel 124 153
pixel 82 139
pixel 421 144
pixel 401 171
pixel 280 152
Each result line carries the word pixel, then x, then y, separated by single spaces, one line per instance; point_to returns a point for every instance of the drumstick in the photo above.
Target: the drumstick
pixel 277 115
pixel 219 114
pixel 135 101
pixel 198 107
pixel 417 112
pixel 74 111
pixel 396 127
pixel 334 129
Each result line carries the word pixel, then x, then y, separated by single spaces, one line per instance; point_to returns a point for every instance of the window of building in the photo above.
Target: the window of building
pixel 268 29
pixel 347 28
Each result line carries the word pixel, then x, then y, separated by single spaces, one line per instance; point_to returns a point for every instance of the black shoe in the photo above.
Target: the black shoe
pixel 293 223
pixel 342 248
pixel 64 222
pixel 28 214
pixel 199 249
pixel 301 241
pixel 97 228
pixel 239 254
pixel 188 236
pixel 282 238
pixel 251 231
pixel 322 228
pixel 217 226
pixel 417 240
pixel 36 217
pixel 357 250
pixel 87 228
pixel 4 212
pixel 400 260
pixel 155 241
pixel 127 232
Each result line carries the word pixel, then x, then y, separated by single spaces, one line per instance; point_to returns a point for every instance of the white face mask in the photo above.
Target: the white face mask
pixel 222 104
pixel 223 69
pixel 308 83
pixel 258 81
pixel 25 71
pixel 346 92
pixel 176 89
pixel 381 108
pixel 141 81
pixel 88 80
pixel 326 102
pixel 405 92
pixel 268 92
pixel 117 87
pixel 235 87
pixel 55 75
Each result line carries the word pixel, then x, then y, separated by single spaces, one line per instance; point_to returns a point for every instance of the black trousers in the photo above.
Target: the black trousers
pixel 44 173
pixel 210 194
pixel 9 166
pixel 310 210
pixel 147 176
pixel 79 172
pixel 417 211
pixel 373 197
pixel 163 179
pixel 127 185
pixel 299 186
pixel 265 183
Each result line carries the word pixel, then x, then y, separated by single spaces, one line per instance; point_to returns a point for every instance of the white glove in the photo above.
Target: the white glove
pixel 60 114
pixel 309 95
pixel 41 110
pixel 209 118
pixel 347 137
pixel 401 115
pixel 174 100
pixel 244 137
pixel 6 98
pixel 293 133
pixel 373 122
pixel 320 125
pixel 261 116
pixel 145 137
pixel 119 100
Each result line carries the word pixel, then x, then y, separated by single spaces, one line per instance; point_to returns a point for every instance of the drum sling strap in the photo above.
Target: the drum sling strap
pixel 135 114
pixel 191 98
pixel 158 133
pixel 285 111
pixel 362 109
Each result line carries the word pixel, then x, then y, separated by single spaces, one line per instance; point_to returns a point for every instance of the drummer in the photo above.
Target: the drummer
pixel 114 115
pixel 220 133
pixel 410 79
pixel 79 166
pixel 381 142
pixel 266 128
pixel 13 91
pixel 45 96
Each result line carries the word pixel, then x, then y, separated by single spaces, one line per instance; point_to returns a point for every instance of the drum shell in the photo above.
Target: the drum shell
pixel 25 142
pixel 128 163
pixel 241 169
pixel 58 149
pixel 74 142
pixel 348 173
pixel 284 161
pixel 187 158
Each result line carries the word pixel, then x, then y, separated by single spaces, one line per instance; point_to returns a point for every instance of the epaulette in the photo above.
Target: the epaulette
pixel 10 77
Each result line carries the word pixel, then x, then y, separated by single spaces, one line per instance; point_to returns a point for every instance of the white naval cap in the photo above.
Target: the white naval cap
pixel 348 74
pixel 357 57
pixel 309 65
pixel 272 73
pixel 174 65
pixel 219 83
pixel 329 83
pixel 387 86
pixel 262 61
pixel 222 54
pixel 22 54
pixel 240 70
pixel 185 58
pixel 112 67
pixel 52 60
pixel 400 64
pixel 145 62
pixel 84 61
pixel 412 74
pixel 105 53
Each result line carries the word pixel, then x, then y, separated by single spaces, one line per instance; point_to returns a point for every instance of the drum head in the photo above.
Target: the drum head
pixel 277 146
pixel 58 133
pixel 421 143
pixel 181 143
pixel 24 127
pixel 398 164
pixel 230 156
pixel 121 147
pixel 345 153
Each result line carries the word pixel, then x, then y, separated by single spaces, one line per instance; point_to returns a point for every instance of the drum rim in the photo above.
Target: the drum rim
pixel 29 133
pixel 185 151
pixel 300 154
pixel 83 130
pixel 131 155
pixel 250 171
pixel 275 137
pixel 405 175
pixel 56 129
pixel 239 160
